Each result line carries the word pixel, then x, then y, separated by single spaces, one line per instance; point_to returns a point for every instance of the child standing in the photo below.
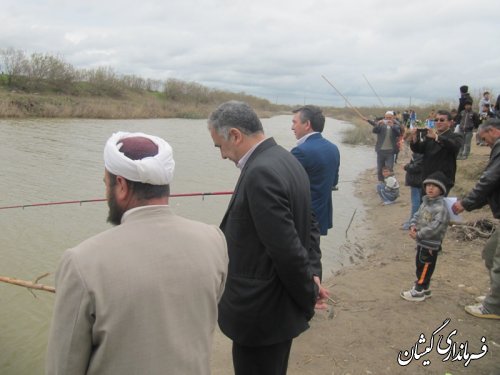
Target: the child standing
pixel 389 189
pixel 428 227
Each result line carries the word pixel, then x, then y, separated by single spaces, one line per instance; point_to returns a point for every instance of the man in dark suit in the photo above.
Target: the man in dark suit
pixel 273 243
pixel 321 160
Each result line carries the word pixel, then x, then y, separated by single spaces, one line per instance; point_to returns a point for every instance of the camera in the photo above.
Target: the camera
pixel 421 134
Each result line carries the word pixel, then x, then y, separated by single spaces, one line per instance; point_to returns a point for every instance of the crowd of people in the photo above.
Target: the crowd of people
pixel 436 145
pixel 259 274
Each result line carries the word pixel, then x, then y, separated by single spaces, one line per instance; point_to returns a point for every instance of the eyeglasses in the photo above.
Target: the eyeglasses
pixel 440 119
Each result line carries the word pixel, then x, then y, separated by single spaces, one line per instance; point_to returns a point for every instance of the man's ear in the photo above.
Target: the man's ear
pixel 122 189
pixel 236 134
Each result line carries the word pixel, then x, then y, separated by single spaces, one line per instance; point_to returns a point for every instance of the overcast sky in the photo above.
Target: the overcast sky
pixel 419 51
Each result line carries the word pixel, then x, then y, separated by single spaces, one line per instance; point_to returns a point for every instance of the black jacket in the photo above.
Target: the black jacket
pixel 461 101
pixel 273 245
pixel 440 155
pixel 413 170
pixel 487 189
pixel 468 120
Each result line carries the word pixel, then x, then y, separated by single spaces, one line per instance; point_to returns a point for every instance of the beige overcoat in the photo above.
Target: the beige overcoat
pixel 139 298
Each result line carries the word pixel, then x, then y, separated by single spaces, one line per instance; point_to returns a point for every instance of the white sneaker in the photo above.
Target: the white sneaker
pixel 480 311
pixel 414 295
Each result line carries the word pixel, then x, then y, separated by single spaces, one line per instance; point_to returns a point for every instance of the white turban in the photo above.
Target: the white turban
pixel 154 170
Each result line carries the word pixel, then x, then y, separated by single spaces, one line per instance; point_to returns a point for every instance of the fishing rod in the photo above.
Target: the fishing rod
pixel 346 100
pixel 80 202
pixel 28 284
pixel 369 84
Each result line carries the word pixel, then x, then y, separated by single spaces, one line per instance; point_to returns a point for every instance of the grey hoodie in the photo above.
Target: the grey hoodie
pixel 431 221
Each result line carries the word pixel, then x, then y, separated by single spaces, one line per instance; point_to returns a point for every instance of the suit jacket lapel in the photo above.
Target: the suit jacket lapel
pixel 263 146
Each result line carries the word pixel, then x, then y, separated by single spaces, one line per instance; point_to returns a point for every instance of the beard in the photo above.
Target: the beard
pixel 115 211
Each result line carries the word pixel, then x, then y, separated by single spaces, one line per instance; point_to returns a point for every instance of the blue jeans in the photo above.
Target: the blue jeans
pixel 416 199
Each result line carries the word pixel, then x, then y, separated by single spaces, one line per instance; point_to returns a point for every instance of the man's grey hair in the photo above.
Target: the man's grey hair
pixel 492 123
pixel 234 114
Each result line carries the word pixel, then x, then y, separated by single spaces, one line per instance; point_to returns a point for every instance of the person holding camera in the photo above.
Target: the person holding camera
pixel 388 131
pixel 439 146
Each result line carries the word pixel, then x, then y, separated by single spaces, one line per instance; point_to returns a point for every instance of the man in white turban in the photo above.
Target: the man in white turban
pixel 139 298
pixel 140 163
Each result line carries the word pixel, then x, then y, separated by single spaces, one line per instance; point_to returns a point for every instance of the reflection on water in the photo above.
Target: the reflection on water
pixel 61 160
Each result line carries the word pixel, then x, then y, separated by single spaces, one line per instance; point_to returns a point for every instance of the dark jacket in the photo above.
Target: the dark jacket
pixel 461 101
pixel 487 189
pixel 468 120
pixel 440 155
pixel 321 160
pixel 413 170
pixel 381 130
pixel 273 245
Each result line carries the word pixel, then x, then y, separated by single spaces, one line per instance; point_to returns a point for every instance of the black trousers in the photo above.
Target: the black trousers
pixel 425 262
pixel 261 360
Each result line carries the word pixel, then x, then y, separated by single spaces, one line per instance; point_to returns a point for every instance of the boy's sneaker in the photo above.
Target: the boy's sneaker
pixel 427 292
pixel 415 295
pixel 480 299
pixel 385 203
pixel 480 311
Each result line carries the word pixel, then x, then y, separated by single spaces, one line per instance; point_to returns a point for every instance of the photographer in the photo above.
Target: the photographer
pixel 388 131
pixel 439 146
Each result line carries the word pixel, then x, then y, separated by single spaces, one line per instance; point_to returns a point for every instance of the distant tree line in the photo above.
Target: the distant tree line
pixel 45 73
pixel 40 72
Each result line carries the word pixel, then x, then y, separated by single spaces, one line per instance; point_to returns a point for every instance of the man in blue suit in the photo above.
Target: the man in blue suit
pixel 321 160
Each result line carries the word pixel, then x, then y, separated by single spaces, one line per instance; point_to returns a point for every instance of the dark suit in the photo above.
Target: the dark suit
pixel 273 245
pixel 321 160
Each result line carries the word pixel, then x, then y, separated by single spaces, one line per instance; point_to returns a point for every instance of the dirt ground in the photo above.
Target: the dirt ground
pixel 370 323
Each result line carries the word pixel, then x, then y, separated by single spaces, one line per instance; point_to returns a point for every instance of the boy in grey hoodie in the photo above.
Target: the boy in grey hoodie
pixel 428 227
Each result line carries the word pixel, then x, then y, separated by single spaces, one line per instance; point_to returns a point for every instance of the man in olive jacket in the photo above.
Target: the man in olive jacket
pixel 487 191
pixel 273 242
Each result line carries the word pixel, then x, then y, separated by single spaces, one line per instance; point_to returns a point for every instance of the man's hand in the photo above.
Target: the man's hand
pixel 457 207
pixel 431 133
pixel 413 135
pixel 322 295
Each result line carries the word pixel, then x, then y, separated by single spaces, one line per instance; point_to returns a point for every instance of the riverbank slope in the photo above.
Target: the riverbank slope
pixel 371 323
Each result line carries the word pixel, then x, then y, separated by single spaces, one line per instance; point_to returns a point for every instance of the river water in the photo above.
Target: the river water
pixel 61 160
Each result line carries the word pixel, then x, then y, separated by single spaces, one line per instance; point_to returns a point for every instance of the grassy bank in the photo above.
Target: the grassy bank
pixel 43 85
pixel 15 104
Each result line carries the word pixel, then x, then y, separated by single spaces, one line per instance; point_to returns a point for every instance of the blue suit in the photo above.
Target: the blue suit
pixel 321 160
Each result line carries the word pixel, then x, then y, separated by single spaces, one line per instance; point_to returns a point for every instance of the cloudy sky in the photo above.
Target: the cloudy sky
pixel 407 51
